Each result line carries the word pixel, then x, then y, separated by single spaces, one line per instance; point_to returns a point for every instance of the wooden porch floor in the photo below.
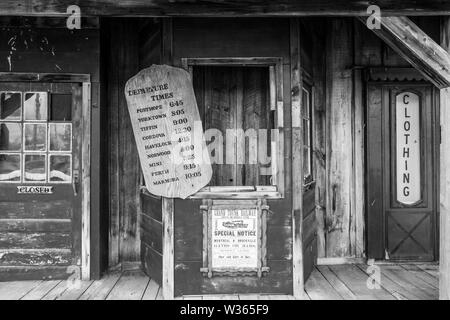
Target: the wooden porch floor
pixel 337 282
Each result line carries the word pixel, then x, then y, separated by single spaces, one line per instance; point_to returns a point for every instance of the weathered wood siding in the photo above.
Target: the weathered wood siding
pixel 150 47
pixel 311 60
pixel 122 46
pixel 197 38
pixel 350 47
pixel 36 237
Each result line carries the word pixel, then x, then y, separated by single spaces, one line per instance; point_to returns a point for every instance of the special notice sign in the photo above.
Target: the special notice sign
pixel 234 238
pixel 168 131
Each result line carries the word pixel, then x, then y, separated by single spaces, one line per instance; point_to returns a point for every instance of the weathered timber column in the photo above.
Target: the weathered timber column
pixel 297 162
pixel 444 237
pixel 168 204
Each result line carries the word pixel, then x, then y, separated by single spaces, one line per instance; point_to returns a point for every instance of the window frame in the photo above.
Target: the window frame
pixel 308 87
pixel 23 152
pixel 276 190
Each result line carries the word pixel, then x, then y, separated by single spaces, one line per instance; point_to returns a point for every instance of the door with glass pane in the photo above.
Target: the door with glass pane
pixel 40 201
pixel 402 151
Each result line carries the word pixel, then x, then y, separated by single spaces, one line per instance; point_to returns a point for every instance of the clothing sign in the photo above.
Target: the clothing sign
pixel 168 131
pixel 408 148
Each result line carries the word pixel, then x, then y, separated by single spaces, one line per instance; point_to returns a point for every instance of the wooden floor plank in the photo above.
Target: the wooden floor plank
pixel 337 284
pixel 192 297
pixel 349 282
pixel 100 289
pixel 220 297
pixel 278 297
pixel 131 286
pixel 410 282
pixel 151 291
pixel 14 290
pixel 318 288
pixel 159 296
pixel 431 269
pixel 66 290
pixel 41 290
pixel 419 273
pixel 356 281
pixel 306 296
pixel 248 296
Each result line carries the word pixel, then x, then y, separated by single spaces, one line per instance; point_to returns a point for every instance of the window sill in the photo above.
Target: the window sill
pixel 250 192
pixel 269 192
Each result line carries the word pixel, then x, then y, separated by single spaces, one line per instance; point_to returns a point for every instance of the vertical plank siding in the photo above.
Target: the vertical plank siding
pixel 350 48
pixel 124 168
pixel 199 38
pixel 339 137
pixel 150 52
pixel 297 158
pixel 444 251
pixel 36 237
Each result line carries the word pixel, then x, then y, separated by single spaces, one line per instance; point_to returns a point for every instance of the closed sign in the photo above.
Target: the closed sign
pixel 408 148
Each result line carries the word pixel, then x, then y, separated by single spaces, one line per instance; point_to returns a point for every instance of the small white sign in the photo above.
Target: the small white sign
pixel 408 148
pixel 234 238
pixel 35 189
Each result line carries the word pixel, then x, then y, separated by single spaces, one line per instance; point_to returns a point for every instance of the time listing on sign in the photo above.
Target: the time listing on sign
pixel 164 114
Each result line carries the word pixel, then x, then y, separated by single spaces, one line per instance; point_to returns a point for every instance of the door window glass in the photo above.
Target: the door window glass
pixel 10 106
pixel 60 167
pixel 35 106
pixel 10 167
pixel 35 138
pixel 10 136
pixel 34 167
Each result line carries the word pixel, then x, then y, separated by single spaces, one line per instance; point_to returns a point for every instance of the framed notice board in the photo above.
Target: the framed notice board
pixel 234 237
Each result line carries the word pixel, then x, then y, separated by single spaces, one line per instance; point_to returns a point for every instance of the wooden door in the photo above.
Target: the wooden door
pixel 401 172
pixel 40 187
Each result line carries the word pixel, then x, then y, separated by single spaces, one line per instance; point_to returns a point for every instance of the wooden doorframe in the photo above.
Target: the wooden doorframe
pixel 85 81
pixel 372 216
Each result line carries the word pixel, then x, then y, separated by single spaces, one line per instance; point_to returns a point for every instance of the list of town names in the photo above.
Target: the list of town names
pixel 163 113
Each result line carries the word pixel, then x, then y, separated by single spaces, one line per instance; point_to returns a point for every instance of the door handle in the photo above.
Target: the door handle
pixel 75 182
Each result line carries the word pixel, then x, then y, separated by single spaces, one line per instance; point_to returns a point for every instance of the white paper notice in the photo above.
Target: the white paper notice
pixel 234 238
pixel 168 131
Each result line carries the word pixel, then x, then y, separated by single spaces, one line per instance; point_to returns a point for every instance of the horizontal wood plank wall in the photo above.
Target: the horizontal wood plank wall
pixel 350 47
pixel 197 8
pixel 124 167
pixel 36 237
pixel 150 35
pixel 194 38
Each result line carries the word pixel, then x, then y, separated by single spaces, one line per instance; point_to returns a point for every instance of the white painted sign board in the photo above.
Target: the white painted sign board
pixel 168 131
pixel 408 148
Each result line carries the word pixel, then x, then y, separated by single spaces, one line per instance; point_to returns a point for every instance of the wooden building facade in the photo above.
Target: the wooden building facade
pixel 356 169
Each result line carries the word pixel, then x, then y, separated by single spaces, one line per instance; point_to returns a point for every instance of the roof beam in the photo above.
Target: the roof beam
pixel 416 47
pixel 223 7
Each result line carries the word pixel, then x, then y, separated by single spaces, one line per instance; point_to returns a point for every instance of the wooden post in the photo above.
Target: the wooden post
pixel 297 161
pixel 168 266
pixel 86 180
pixel 168 263
pixel 444 241
pixel 339 139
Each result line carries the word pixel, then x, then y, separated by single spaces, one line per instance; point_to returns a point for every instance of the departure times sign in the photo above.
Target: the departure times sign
pixel 168 131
